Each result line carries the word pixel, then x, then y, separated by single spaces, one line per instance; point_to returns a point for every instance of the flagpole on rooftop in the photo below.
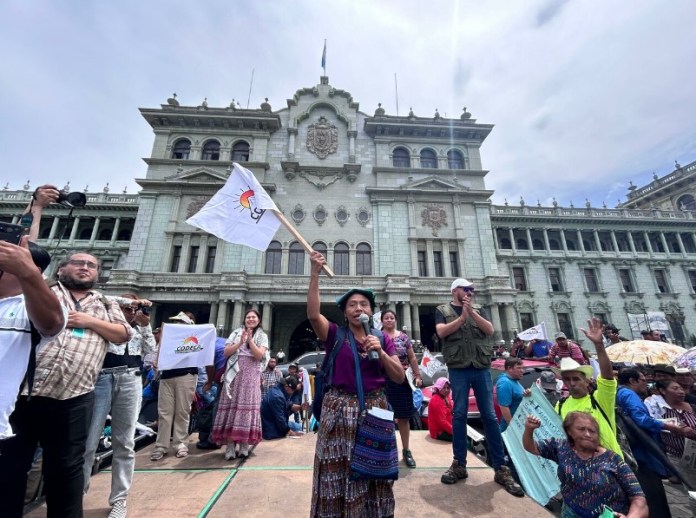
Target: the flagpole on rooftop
pixel 301 240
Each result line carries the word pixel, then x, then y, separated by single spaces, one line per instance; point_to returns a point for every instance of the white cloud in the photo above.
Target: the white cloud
pixel 585 96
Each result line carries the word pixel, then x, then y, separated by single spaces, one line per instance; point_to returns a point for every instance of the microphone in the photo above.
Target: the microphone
pixel 365 322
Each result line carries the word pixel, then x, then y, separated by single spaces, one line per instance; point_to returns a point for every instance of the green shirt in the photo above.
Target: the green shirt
pixel 605 396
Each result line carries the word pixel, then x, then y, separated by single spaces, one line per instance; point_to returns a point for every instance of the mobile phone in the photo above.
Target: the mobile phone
pixel 11 233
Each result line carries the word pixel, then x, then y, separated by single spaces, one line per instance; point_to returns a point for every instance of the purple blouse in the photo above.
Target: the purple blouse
pixel 372 372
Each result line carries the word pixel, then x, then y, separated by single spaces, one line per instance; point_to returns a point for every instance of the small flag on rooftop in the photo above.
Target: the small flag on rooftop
pixel 323 58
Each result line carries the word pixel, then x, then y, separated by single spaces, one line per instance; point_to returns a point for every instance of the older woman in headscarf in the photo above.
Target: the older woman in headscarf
pixel 440 411
pixel 334 493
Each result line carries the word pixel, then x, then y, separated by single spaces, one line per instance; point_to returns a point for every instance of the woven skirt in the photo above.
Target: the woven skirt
pixel 400 397
pixel 334 495
pixel 238 417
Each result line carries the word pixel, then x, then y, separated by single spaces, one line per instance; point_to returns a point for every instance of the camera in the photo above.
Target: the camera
pixel 144 309
pixel 72 199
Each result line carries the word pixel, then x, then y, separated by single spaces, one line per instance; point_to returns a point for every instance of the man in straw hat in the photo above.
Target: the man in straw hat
pixel 601 404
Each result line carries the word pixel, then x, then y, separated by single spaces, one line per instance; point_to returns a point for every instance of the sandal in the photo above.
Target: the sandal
pixel 181 453
pixel 158 454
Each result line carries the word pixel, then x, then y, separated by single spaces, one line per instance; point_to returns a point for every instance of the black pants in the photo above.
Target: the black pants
pixel 206 417
pixel 61 427
pixel 654 490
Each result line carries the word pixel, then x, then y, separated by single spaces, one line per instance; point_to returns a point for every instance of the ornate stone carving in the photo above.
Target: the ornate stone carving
pixel 195 206
pixel 321 180
pixel 322 138
pixel 434 216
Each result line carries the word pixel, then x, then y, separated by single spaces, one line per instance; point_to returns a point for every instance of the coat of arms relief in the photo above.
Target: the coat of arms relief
pixel 435 217
pixel 322 138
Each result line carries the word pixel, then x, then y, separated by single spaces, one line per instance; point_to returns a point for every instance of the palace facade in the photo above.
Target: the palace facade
pixel 397 204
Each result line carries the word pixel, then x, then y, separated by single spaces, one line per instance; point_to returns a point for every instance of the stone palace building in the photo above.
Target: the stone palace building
pixel 398 204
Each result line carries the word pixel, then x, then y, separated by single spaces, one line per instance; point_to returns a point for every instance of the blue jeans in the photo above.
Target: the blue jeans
pixel 295 427
pixel 120 393
pixel 461 380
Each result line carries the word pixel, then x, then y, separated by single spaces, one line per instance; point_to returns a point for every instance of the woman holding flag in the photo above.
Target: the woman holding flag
pixel 238 419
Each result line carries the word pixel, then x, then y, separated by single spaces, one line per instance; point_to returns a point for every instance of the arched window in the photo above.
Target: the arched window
pixel 341 259
pixel 455 160
pixel 105 234
pixel 428 159
pixel 296 263
pixel 211 150
pixel 181 149
pixel 240 152
pixel 124 235
pixel 274 254
pixel 538 244
pixel 522 244
pixel 363 259
pixel 505 243
pixel 401 157
pixel 320 247
pixel 686 202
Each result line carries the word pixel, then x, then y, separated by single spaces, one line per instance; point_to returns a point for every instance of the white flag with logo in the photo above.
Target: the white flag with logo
pixel 536 332
pixel 183 345
pixel 241 212
pixel 429 364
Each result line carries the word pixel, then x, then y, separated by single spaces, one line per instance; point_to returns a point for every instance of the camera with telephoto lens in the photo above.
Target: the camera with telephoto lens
pixel 72 199
pixel 144 309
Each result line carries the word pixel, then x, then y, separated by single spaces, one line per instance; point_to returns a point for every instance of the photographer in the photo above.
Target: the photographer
pixel 67 366
pixel 118 389
pixel 24 299
pixel 43 196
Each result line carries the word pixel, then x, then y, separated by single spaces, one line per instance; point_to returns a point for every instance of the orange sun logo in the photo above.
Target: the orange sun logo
pixel 244 199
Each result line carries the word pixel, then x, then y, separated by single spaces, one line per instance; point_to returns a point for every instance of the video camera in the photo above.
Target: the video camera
pixel 144 309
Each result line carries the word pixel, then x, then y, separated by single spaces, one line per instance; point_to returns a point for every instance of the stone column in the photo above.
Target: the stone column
pixel 407 319
pixel 495 240
pixel 213 313
pixel 446 266
pixel 614 242
pixel 167 253
pixel 15 219
pixel 202 253
pixel 266 317
pixel 291 142
pixel 664 243
pixel 237 314
pixel 598 243
pixel 646 236
pixel 54 227
pixel 73 231
pixel 564 243
pixel 495 320
pixel 509 322
pixel 222 317
pixel 511 233
pixel 415 320
pixel 114 234
pixel 185 254
pixel 631 243
pixel 547 244
pixel 681 244
pixel 580 243
pixel 351 145
pixel 95 231
pixel 529 240
pixel 429 257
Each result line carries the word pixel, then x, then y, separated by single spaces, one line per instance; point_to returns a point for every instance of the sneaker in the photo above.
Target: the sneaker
pixel 118 510
pixel 408 459
pixel 456 472
pixel 230 452
pixel 243 450
pixel 158 454
pixel 503 476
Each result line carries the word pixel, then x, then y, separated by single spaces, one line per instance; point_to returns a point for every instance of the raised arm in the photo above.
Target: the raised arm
pixel 531 424
pixel 594 332
pixel 318 321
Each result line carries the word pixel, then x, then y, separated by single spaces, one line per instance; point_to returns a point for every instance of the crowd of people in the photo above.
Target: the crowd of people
pixel 78 355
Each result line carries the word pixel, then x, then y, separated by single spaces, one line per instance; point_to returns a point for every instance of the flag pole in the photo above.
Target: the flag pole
pixel 299 238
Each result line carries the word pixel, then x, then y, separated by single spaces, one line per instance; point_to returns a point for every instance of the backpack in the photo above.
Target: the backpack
pixel 621 436
pixel 324 377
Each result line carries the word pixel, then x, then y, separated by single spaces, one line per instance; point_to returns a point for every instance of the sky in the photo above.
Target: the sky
pixel 585 95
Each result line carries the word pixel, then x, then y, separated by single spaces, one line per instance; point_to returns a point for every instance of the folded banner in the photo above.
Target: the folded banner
pixel 536 332
pixel 538 475
pixel 241 212
pixel 186 346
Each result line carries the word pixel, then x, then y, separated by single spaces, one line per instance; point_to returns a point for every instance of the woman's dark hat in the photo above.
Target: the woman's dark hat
pixel 343 299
